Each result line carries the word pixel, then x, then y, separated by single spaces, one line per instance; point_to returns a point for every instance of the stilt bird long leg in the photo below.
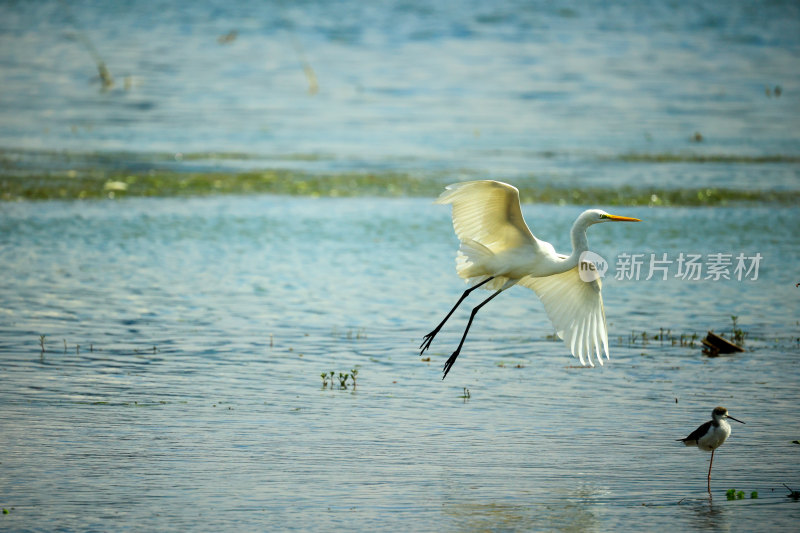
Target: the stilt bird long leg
pixel 709 471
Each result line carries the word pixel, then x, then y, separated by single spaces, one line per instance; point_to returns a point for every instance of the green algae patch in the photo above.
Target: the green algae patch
pixel 96 184
pixel 633 196
pixel 691 157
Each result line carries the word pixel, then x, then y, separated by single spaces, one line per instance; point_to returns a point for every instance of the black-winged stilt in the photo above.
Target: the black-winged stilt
pixel 711 435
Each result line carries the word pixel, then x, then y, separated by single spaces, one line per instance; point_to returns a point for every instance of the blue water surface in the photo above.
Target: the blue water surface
pixel 177 385
pixel 161 358
pixel 506 88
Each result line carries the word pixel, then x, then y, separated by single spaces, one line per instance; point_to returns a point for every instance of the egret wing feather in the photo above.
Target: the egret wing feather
pixel 487 212
pixel 575 308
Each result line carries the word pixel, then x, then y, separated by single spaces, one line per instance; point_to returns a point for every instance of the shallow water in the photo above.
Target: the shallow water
pixel 188 395
pixel 500 89
pixel 177 385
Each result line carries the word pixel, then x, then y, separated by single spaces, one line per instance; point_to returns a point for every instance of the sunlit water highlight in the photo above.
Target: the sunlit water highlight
pixel 195 401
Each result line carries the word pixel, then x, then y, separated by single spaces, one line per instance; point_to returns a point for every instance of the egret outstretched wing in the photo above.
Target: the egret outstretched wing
pixel 575 308
pixel 498 251
pixel 487 212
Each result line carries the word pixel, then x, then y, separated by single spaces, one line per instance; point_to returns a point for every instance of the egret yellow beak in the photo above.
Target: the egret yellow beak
pixel 622 219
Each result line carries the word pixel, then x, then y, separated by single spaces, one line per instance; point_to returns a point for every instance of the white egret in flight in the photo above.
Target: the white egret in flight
pixel 711 435
pixel 498 251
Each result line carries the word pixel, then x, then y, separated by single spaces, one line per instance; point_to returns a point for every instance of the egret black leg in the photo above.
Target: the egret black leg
pixel 449 363
pixel 428 339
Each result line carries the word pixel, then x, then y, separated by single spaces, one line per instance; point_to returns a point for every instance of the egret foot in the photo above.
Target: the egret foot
pixel 449 363
pixel 427 340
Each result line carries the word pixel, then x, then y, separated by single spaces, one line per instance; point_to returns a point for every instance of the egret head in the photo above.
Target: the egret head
pixel 595 216
pixel 605 217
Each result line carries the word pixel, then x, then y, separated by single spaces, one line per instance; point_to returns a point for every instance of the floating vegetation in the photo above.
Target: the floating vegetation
pixel 227 38
pixel 137 351
pixel 105 76
pixel 635 196
pixel 329 378
pixel 689 157
pixel 359 334
pixel 134 351
pixel 350 334
pixel 738 334
pixel 733 494
pixel 115 184
pixel 644 338
pixel 688 340
pixel 150 403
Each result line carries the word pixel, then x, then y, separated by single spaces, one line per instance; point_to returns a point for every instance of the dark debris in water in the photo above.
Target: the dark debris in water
pixel 793 494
